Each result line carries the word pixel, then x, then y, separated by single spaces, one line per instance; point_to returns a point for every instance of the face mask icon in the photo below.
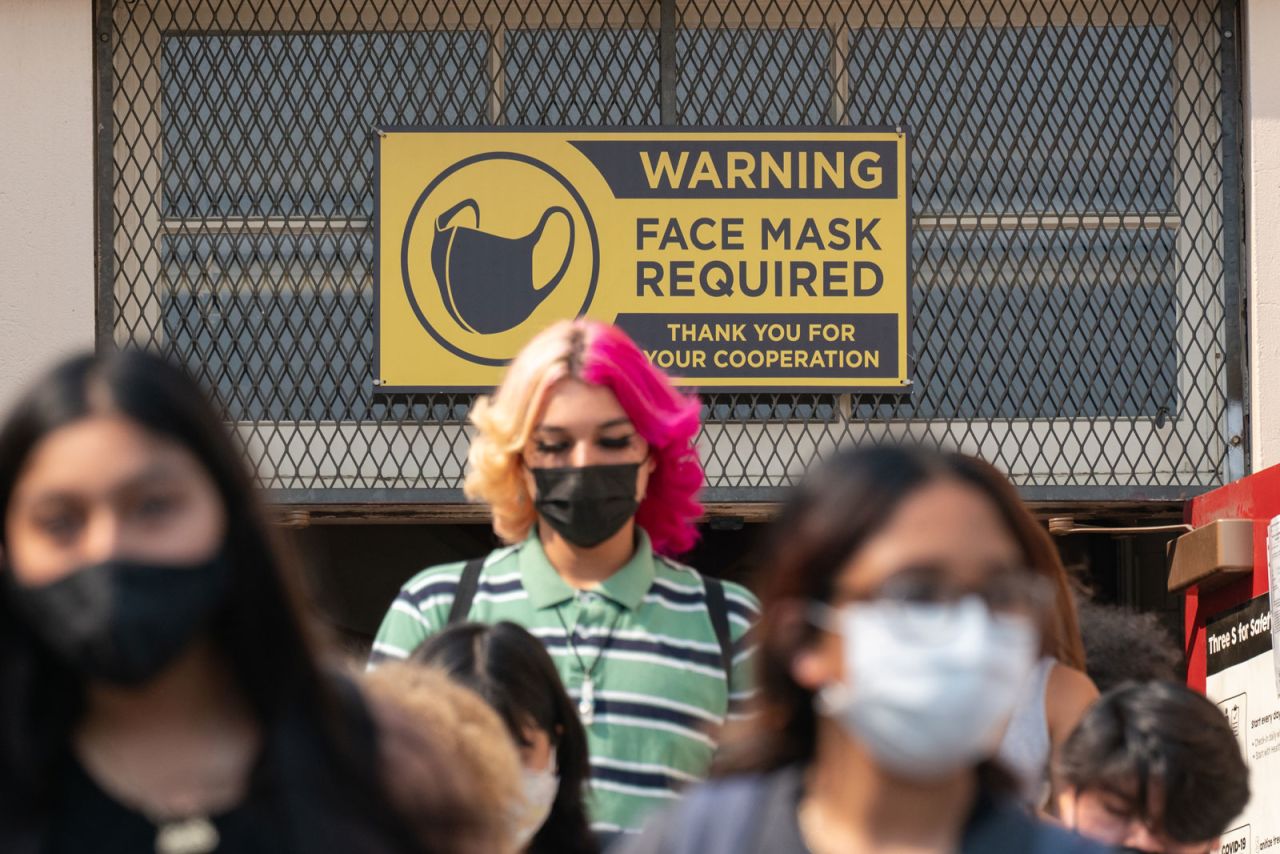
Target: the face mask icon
pixel 486 280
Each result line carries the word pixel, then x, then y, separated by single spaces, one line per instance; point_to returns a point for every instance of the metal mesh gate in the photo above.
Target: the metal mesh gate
pixel 1075 235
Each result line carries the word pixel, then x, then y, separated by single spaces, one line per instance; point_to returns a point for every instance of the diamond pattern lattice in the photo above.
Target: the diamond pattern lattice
pixel 1069 234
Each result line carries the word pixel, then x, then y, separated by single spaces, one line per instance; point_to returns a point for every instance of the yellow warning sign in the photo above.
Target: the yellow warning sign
pixel 737 260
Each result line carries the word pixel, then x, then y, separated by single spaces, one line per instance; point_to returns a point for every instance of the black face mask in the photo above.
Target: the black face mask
pixel 586 505
pixel 123 622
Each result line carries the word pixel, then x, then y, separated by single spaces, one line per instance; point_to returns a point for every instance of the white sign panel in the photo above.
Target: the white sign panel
pixel 1241 680
pixel 1273 582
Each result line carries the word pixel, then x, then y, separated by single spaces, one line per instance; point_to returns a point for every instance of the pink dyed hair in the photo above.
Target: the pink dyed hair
pixel 602 355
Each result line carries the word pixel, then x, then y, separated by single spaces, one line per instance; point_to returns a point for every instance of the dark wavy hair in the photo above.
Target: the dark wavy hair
pixel 1127 646
pixel 512 670
pixel 1165 750
pixel 845 501
pixel 309 720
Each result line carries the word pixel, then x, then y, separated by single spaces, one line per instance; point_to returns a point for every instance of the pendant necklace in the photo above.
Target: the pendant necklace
pixel 182 827
pixel 587 696
pixel 191 835
pixel 183 831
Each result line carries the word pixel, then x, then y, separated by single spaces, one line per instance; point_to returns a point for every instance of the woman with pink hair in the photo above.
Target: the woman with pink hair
pixel 585 455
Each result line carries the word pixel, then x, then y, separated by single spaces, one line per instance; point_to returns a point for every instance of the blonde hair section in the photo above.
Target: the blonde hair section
pixel 449 762
pixel 505 420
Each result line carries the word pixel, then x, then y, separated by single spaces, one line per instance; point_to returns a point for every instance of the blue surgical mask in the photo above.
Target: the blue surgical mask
pixel 930 686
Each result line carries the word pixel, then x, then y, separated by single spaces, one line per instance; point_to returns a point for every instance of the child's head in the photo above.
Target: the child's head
pixel 513 672
pixel 1153 766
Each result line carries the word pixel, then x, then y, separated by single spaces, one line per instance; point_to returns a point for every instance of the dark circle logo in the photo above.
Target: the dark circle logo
pixel 498 245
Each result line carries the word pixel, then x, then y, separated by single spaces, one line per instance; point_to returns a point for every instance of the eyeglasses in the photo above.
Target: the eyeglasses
pixel 1006 591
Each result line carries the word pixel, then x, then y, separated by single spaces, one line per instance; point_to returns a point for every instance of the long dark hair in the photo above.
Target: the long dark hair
pixel 511 670
pixel 259 630
pixel 842 504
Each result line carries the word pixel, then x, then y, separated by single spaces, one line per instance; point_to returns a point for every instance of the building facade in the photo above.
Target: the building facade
pixel 1095 229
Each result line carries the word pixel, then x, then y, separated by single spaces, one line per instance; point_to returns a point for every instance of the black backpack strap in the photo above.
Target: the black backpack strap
pixel 718 610
pixel 466 592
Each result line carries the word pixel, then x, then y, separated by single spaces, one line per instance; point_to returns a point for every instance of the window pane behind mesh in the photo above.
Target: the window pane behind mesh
pixel 1058 119
pixel 282 125
pixel 793 61
pixel 581 77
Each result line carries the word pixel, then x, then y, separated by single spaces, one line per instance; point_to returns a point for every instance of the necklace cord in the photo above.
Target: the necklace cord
pixel 573 647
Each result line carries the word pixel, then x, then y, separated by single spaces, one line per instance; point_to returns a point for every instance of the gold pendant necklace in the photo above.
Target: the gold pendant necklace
pixel 192 835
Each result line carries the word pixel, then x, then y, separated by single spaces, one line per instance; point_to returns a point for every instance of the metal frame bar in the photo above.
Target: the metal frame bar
pixel 1050 220
pixel 726 495
pixel 1235 267
pixel 667 70
pixel 103 175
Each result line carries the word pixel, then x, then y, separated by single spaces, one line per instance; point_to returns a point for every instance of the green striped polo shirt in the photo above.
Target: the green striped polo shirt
pixel 660 688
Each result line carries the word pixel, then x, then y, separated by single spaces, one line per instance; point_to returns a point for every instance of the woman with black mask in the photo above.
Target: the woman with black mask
pixel 158 689
pixel 585 456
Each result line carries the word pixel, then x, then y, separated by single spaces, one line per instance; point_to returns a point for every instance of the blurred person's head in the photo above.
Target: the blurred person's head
pixel 131 530
pixel 133 543
pixel 1121 645
pixel 586 435
pixel 906 596
pixel 512 671
pixel 1153 767
pixel 446 754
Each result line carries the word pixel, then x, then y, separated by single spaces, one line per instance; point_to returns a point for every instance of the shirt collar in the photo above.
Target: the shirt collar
pixel 547 589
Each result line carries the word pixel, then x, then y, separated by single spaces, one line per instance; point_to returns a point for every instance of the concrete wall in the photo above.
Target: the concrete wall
pixel 1262 201
pixel 46 185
